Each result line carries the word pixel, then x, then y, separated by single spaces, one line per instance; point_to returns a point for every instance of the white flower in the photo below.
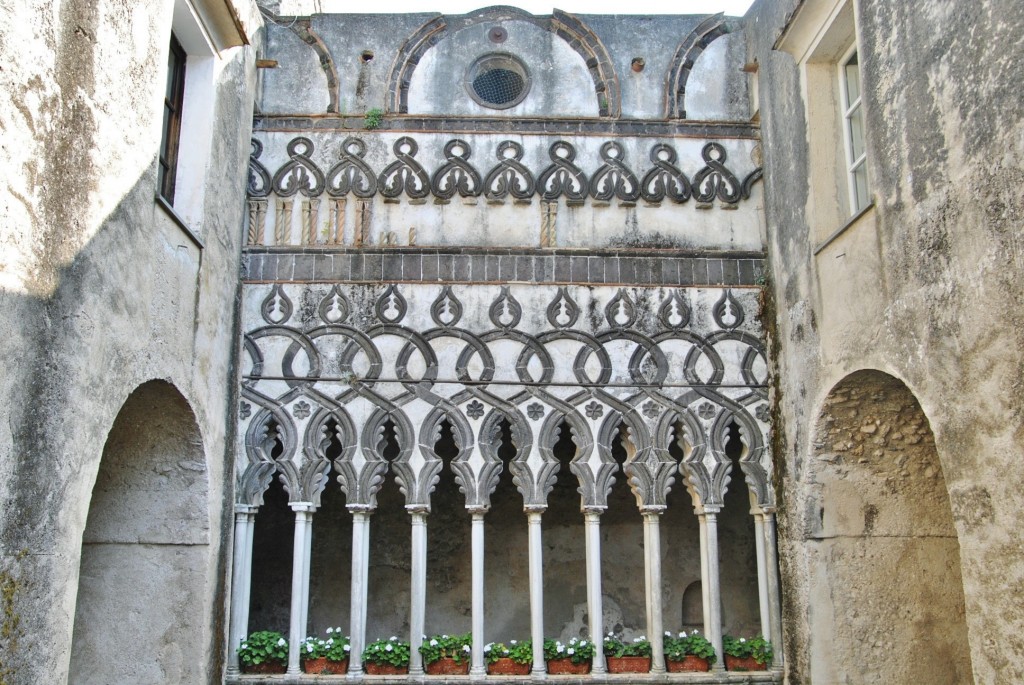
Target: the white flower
pixel 337 630
pixel 513 642
pixel 571 651
pixel 389 648
pixel 682 634
pixel 743 639
pixel 309 648
pixel 583 643
pixel 466 648
pixel 282 642
pixel 444 637
pixel 560 649
pixel 331 641
pixel 330 630
pixel 433 643
pixel 348 648
pixel 642 637
pixel 488 646
pixel 668 633
pixel 393 638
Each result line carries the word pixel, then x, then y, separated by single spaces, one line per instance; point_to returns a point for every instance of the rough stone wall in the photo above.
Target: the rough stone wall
pixel 921 287
pixel 101 292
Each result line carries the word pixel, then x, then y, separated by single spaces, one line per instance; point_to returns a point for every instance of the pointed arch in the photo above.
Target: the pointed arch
pixel 686 54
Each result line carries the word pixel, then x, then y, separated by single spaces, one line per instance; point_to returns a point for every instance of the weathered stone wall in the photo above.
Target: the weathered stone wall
pixel 103 291
pixel 921 287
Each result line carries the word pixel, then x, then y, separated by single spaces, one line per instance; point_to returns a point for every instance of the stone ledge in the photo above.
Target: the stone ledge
pixel 722 678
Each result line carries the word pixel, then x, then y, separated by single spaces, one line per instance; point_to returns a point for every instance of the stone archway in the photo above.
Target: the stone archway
pixel 141 614
pixel 886 596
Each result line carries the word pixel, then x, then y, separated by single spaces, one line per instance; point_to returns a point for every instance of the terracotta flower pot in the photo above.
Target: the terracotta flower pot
pixel 567 667
pixel 267 667
pixel 385 669
pixel 325 666
pixel 506 666
pixel 447 666
pixel 748 663
pixel 688 663
pixel 629 664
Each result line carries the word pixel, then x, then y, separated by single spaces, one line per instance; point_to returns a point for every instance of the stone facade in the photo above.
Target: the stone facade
pixel 515 325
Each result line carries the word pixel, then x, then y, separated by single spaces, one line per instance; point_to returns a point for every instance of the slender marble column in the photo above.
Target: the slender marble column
pixel 704 583
pixel 360 582
pixel 652 571
pixel 713 612
pixel 592 518
pixel 477 665
pixel 418 600
pixel 762 574
pixel 241 581
pixel 300 582
pixel 774 593
pixel 536 593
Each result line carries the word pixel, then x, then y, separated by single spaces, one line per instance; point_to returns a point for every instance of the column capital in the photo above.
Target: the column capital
pixel 594 510
pixel 360 509
pixel 245 509
pixel 653 510
pixel 306 507
pixel 477 510
pixel 421 509
pixel 535 509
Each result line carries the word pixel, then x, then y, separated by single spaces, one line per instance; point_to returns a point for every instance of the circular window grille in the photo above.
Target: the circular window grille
pixel 498 81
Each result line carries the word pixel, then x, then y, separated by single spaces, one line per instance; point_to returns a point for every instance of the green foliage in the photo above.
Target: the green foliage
pixel 263 646
pixel 694 644
pixel 579 651
pixel 615 647
pixel 457 647
pixel 519 652
pixel 757 647
pixel 391 651
pixel 373 119
pixel 335 647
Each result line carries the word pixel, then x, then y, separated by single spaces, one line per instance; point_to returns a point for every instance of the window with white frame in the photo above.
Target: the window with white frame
pixel 853 131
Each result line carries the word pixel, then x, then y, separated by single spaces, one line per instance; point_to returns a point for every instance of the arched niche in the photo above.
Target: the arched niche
pixel 716 89
pixel 147 531
pixel 884 559
pixel 564 81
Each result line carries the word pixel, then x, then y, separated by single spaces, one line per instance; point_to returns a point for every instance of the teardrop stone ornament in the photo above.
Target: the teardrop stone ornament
pixel 505 311
pixel 674 312
pixel 446 310
pixel 563 310
pixel 334 308
pixel 391 306
pixel 620 312
pixel 276 307
pixel 728 312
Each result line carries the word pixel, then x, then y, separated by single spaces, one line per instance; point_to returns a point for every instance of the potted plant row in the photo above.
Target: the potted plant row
pixel 265 651
pixel 447 654
pixel 627 657
pixel 692 652
pixel 386 657
pixel 742 654
pixel 326 656
pixel 571 658
pixel 513 658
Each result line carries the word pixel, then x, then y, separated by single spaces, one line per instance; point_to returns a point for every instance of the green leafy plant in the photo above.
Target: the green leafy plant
pixel 456 647
pixel 579 651
pixel 373 119
pixel 335 648
pixel 679 646
pixel 264 646
pixel 390 651
pixel 757 647
pixel 519 652
pixel 615 647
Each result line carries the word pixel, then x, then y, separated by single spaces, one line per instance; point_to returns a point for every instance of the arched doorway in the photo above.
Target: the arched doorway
pixel 141 614
pixel 886 596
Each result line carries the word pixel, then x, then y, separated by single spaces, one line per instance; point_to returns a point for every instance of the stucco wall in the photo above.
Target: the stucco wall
pixel 922 287
pixel 102 292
